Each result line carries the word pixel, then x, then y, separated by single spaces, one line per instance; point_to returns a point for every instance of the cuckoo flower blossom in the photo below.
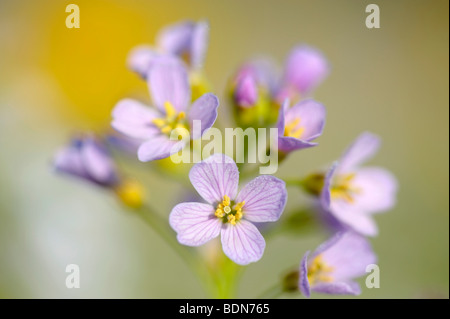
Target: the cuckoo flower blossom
pixel 228 212
pixel 299 125
pixel 352 194
pixel 186 39
pixel 170 92
pixel 333 266
pixel 87 158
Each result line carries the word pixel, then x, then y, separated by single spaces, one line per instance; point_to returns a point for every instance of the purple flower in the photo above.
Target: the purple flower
pixel 228 212
pixel 333 266
pixel 299 125
pixel 253 79
pixel 87 158
pixel 305 69
pixel 170 92
pixel 187 39
pixel 352 194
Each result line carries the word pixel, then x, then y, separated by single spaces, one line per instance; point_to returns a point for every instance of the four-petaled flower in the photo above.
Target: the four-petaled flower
pixel 352 194
pixel 170 92
pixel 333 266
pixel 228 212
pixel 299 125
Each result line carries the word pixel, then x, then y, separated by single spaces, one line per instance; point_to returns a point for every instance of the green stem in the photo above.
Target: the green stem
pixel 161 227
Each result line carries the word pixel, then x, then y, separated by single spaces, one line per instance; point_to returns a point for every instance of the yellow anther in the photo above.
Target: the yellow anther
pixel 219 213
pixel 293 130
pixel 181 116
pixel 170 110
pixel 238 215
pixel 166 129
pixel 159 122
pixel 239 206
pixel 226 201
pixel 231 219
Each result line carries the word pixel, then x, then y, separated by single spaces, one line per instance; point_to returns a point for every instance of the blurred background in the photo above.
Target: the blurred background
pixel 56 81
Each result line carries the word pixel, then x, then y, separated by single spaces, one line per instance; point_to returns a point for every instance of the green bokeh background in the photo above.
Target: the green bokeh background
pixel 54 81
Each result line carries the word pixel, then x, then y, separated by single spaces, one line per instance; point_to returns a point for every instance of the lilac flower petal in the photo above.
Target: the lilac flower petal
pixel 328 244
pixel 204 109
pixel 158 147
pixel 288 144
pixel 348 256
pixel 98 162
pixel 266 73
pixel 265 198
pixel 215 177
pixel 377 189
pixel 303 282
pixel 362 149
pixel 312 118
pixel 305 68
pixel 199 44
pixel 242 243
pixel 353 217
pixel 168 82
pixel 175 38
pixel 281 117
pixel 246 91
pixel 337 288
pixel 140 59
pixel 134 119
pixel 195 223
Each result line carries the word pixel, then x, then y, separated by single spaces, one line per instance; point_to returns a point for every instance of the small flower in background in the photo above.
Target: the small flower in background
pixel 299 125
pixel 187 40
pixel 351 194
pixel 87 158
pixel 305 69
pixel 228 212
pixel 334 265
pixel 170 92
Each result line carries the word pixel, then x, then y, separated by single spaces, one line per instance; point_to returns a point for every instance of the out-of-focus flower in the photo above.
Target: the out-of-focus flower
pixel 352 194
pixel 299 125
pixel 228 212
pixel 187 40
pixel 258 90
pixel 305 68
pixel 87 158
pixel 334 265
pixel 170 92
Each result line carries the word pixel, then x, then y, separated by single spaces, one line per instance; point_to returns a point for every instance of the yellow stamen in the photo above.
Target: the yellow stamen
pixel 170 110
pixel 159 122
pixel 318 271
pixel 291 129
pixel 343 188
pixel 224 209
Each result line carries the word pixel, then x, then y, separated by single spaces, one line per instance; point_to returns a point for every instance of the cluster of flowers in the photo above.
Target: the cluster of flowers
pixel 347 195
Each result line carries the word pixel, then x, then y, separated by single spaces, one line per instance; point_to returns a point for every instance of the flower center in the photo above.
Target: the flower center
pixel 293 129
pixel 343 188
pixel 228 211
pixel 318 271
pixel 172 121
